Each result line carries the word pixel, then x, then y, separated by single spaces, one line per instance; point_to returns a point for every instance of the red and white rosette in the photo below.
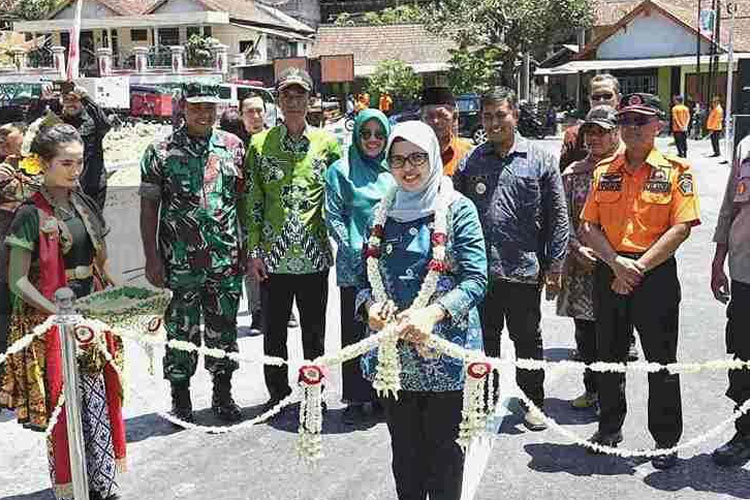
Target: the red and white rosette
pixel 475 410
pixel 84 335
pixel 309 442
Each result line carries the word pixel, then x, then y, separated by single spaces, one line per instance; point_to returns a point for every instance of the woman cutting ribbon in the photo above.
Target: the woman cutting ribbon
pixel 427 270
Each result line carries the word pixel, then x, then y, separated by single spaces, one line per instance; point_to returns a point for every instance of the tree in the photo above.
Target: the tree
pixel 198 51
pixel 29 10
pixel 396 78
pixel 402 14
pixel 514 27
pixel 473 71
pixel 343 19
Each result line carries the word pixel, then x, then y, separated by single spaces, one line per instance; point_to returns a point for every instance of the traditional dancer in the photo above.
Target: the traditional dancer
pixel 56 239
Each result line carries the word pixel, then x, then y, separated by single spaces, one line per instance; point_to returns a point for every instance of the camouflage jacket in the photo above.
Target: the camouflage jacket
pixel 199 183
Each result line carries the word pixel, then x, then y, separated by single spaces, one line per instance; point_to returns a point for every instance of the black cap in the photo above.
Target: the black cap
pixel 438 96
pixel 201 93
pixel 645 104
pixel 294 76
pixel 602 116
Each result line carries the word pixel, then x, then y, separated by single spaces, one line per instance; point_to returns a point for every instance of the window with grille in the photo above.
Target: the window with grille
pixel 139 35
pixel 630 84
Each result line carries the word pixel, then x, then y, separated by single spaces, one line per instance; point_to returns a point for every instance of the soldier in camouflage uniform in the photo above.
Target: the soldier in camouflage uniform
pixel 191 184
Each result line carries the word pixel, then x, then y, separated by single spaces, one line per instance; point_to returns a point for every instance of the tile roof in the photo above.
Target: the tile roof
pixel 121 7
pixel 246 10
pixel 371 44
pixel 609 12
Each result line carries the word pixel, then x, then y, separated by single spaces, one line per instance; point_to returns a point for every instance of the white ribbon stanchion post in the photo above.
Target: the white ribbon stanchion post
pixel 66 322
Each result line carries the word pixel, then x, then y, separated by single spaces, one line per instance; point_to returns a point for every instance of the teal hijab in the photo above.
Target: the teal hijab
pixel 357 158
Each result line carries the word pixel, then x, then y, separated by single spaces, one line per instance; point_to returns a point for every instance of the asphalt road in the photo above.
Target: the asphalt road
pixel 261 463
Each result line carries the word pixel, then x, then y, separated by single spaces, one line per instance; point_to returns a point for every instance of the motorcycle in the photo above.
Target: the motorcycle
pixel 529 123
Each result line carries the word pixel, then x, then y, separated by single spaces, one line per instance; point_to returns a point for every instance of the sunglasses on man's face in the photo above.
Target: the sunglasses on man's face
pixel 366 134
pixel 635 120
pixel 603 96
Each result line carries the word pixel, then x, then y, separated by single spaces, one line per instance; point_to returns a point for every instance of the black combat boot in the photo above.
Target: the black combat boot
pixel 222 403
pixel 734 453
pixel 182 408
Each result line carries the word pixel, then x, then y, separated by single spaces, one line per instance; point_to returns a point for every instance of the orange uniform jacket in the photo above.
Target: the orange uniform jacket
pixel 635 209
pixel 715 119
pixel 680 118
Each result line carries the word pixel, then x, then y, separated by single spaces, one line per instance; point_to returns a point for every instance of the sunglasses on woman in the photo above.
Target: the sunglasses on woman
pixel 603 96
pixel 415 159
pixel 366 134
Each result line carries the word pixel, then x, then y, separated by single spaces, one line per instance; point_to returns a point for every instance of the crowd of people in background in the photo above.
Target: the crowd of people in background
pixel 246 205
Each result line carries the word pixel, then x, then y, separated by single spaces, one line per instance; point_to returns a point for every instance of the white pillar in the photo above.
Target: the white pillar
pixel 141 59
pixel 239 59
pixel 58 60
pixel 221 64
pixel 104 59
pixel 178 58
pixel 19 59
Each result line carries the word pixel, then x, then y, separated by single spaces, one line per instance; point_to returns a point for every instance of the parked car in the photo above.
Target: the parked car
pixel 469 119
pixel 405 115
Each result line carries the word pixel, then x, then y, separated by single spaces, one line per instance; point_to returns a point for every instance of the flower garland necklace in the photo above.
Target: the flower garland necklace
pixel 388 372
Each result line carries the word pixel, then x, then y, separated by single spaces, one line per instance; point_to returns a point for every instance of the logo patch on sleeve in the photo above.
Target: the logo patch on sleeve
pixel 685 184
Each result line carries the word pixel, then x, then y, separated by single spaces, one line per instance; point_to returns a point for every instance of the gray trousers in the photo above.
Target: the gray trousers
pixel 252 289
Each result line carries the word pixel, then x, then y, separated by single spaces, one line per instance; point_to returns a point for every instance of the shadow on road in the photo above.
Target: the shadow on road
pixel 564 414
pixel 699 473
pixel 147 426
pixel 575 460
pixel 39 495
pixel 288 421
pixel 6 416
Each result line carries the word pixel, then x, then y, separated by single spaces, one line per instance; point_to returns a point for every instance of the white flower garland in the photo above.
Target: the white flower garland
pixel 55 413
pixel 474 413
pixel 309 442
pixel 388 372
pixel 441 345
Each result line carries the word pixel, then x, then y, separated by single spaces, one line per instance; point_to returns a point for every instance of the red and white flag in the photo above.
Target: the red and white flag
pixel 74 51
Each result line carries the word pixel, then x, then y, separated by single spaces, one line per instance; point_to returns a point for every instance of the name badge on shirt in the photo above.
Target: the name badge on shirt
pixel 658 181
pixel 610 182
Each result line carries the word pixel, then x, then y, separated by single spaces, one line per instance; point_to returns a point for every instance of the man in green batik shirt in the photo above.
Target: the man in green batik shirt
pixel 287 238
pixel 191 184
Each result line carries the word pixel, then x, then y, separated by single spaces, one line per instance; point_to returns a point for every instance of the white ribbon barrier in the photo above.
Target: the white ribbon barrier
pixel 438 344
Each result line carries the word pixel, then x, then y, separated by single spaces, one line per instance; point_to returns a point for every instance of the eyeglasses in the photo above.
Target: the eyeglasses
pixel 634 120
pixel 366 134
pixel 415 159
pixel 604 96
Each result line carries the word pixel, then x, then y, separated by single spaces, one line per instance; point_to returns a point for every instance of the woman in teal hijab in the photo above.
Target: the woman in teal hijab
pixel 354 185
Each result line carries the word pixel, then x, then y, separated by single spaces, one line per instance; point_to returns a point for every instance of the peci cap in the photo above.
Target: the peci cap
pixel 438 96
pixel 642 103
pixel 603 116
pixel 294 76
pixel 195 93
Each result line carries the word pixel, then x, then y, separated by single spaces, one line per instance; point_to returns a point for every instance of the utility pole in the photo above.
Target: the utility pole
pixel 698 86
pixel 728 122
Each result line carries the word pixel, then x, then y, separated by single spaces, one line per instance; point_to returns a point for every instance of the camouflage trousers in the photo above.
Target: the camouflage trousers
pixel 217 303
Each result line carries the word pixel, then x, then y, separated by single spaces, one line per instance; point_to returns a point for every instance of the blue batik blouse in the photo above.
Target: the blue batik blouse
pixel 406 252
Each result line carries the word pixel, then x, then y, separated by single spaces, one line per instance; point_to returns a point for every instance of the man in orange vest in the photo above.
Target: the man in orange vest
pixel 715 124
pixel 386 103
pixel 680 122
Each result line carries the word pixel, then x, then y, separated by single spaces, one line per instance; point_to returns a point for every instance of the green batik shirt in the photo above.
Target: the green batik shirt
pixel 286 197
pixel 199 182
